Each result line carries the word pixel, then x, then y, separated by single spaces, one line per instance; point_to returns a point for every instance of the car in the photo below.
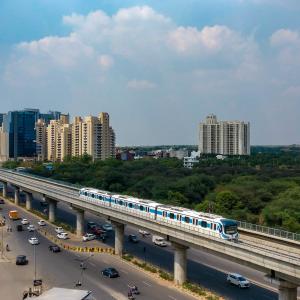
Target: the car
pixel 2 201
pixel 24 222
pixel 133 238
pixel 91 225
pixel 98 231
pixel 110 272
pixel 33 240
pixel 159 241
pixel 41 223
pixel 21 260
pixel 62 236
pixel 88 237
pixel 59 230
pixel 144 232
pixel 19 227
pixel 54 248
pixel 107 227
pixel 238 280
pixel 31 228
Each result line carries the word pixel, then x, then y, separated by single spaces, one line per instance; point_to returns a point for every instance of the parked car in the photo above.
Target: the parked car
pixel 62 236
pixel 33 240
pixel 31 228
pixel 54 248
pixel 133 238
pixel 98 231
pixel 59 230
pixel 24 222
pixel 110 272
pixel 159 241
pixel 238 280
pixel 41 223
pixel 2 201
pixel 88 237
pixel 19 227
pixel 144 232
pixel 91 225
pixel 21 260
pixel 107 227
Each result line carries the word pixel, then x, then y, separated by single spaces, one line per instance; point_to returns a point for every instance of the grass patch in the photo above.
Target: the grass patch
pixel 128 257
pixel 212 297
pixel 195 289
pixel 165 275
pixel 145 266
pixel 65 226
pixel 39 214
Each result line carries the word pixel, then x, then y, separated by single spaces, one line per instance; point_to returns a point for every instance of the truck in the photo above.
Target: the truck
pixel 14 215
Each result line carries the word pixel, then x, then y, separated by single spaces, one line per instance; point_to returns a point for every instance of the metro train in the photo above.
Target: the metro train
pixel 206 223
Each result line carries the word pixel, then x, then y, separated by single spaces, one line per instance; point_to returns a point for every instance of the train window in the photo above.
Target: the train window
pixel 85 194
pixel 141 207
pixel 171 216
pixel 130 205
pixel 203 224
pixel 121 202
pixel 93 196
pixel 186 219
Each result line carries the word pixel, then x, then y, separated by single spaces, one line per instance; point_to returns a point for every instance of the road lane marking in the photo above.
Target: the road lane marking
pixel 146 283
pixel 172 297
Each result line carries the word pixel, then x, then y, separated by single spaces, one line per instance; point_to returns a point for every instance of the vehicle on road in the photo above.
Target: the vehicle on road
pixel 107 227
pixel 21 260
pixel 59 230
pixel 91 225
pixel 24 222
pixel 41 223
pixel 19 227
pixel 97 231
pixel 133 238
pixel 31 228
pixel 2 201
pixel 110 272
pixel 144 232
pixel 159 241
pixel 134 289
pixel 88 237
pixel 33 240
pixel 63 236
pixel 238 280
pixel 14 215
pixel 54 248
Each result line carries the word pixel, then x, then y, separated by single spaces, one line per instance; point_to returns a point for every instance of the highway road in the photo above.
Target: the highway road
pixel 203 268
pixel 63 270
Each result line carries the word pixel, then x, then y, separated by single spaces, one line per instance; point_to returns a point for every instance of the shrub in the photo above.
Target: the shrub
pixel 195 288
pixel 166 275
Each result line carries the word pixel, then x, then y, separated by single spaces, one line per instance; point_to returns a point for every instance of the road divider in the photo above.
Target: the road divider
pixel 74 248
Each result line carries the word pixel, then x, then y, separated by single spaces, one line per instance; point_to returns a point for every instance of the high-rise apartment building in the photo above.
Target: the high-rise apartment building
pixel 4 138
pixel 41 140
pixel 224 137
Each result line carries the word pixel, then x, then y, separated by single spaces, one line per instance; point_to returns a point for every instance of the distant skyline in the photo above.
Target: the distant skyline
pixel 157 67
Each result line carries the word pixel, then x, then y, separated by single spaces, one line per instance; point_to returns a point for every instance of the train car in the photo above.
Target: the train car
pixel 95 196
pixel 135 206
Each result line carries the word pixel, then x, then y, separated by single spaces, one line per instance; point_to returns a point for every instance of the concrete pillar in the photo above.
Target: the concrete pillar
pixel 17 195
pixel 119 237
pixel 287 291
pixel 4 191
pixel 79 222
pixel 28 200
pixel 179 263
pixel 52 209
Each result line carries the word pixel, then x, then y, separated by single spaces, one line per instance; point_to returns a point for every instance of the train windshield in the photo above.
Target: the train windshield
pixel 230 226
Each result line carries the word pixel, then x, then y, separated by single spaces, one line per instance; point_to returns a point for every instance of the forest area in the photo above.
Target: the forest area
pixel 263 188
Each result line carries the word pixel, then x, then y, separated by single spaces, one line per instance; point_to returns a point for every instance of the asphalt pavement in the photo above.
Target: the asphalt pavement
pixel 63 270
pixel 203 268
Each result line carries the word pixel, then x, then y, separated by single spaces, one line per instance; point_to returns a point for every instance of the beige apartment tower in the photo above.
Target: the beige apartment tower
pixel 224 137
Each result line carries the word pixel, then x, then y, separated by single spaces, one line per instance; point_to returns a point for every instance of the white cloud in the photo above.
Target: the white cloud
pixel 140 84
pixel 285 37
pixel 105 61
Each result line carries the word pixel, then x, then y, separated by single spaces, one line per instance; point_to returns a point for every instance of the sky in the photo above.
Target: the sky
pixel 157 67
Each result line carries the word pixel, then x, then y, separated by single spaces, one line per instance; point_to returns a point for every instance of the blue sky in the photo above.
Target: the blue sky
pixel 158 67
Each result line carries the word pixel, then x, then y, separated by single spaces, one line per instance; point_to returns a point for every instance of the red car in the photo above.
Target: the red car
pixel 97 231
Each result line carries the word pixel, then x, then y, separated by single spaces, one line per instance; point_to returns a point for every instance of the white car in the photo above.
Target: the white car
pixel 41 223
pixel 24 222
pixel 238 280
pixel 31 228
pixel 63 236
pixel 88 237
pixel 33 241
pixel 144 232
pixel 59 230
pixel 107 227
pixel 159 241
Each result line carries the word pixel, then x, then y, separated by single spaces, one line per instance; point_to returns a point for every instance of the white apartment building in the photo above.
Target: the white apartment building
pixel 4 140
pixel 224 137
